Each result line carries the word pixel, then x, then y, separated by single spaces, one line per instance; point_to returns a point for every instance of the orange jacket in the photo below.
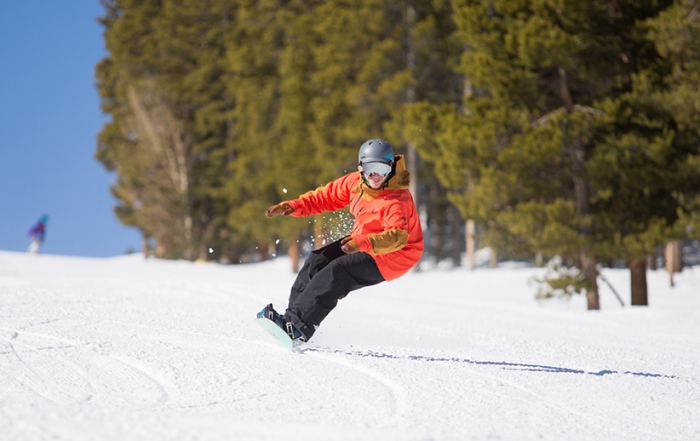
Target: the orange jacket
pixel 387 226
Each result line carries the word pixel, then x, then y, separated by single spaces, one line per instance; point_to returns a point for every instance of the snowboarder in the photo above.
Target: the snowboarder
pixel 386 240
pixel 37 234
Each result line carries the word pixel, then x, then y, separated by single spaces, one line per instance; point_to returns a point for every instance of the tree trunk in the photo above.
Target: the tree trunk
pixel 581 197
pixel 319 236
pixel 470 244
pixel 591 273
pixel 166 138
pixel 164 245
pixel 294 252
pixel 263 250
pixel 638 274
pixel 588 262
pixel 455 228
pixel 411 153
pixel 493 262
pixel 145 247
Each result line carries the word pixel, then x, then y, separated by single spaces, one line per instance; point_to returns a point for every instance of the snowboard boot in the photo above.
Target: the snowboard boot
pixel 269 312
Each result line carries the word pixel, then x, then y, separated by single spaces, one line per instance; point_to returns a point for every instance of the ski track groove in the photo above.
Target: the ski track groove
pixel 135 366
pixel 23 331
pixel 101 368
pixel 399 406
pixel 552 404
pixel 49 374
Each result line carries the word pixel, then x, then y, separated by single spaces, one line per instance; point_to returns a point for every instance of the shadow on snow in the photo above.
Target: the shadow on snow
pixel 504 364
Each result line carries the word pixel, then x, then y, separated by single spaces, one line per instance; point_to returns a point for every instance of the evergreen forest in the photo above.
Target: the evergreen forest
pixel 549 127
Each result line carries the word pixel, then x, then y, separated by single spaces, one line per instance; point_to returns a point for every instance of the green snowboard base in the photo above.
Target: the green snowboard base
pixel 276 332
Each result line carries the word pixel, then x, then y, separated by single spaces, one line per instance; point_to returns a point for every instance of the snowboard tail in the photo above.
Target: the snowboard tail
pixel 276 332
pixel 283 331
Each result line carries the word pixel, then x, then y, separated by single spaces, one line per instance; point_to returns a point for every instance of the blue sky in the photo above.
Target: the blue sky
pixel 49 120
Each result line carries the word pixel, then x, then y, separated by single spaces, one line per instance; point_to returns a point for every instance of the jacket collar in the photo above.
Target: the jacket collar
pixel 399 181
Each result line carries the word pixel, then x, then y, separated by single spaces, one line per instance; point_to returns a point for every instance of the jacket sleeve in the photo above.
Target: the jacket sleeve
pixel 330 197
pixel 395 234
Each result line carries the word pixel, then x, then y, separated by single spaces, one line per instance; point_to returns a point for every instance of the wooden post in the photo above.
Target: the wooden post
pixel 145 247
pixel 319 236
pixel 470 244
pixel 673 254
pixel 294 252
pixel 263 250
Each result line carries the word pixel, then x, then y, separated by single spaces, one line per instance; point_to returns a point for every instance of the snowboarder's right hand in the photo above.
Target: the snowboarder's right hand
pixel 348 245
pixel 282 208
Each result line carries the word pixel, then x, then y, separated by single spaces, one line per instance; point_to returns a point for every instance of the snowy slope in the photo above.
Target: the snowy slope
pixel 127 349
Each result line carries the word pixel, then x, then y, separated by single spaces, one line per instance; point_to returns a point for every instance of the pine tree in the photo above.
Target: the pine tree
pixel 312 81
pixel 162 86
pixel 559 146
pixel 370 61
pixel 676 35
pixel 136 143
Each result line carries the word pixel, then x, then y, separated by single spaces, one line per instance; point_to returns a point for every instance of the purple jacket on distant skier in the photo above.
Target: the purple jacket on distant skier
pixel 38 230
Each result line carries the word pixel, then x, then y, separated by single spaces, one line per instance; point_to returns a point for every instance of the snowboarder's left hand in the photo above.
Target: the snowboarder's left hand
pixel 349 246
pixel 282 208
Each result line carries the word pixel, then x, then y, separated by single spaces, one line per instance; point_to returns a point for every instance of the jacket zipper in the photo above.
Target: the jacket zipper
pixel 362 191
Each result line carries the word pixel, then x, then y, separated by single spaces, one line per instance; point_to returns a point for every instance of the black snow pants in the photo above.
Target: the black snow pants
pixel 327 276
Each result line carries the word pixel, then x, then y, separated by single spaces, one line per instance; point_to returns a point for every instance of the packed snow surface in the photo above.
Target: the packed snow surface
pixel 132 349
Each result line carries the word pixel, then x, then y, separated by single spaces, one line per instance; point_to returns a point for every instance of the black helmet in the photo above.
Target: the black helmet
pixel 376 150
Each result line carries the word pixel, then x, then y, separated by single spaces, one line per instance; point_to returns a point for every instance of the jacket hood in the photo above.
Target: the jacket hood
pixel 402 177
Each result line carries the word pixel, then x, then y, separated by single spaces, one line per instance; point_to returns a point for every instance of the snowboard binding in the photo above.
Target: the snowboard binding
pixel 294 334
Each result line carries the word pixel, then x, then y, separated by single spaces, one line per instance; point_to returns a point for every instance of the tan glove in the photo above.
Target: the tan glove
pixel 348 245
pixel 282 208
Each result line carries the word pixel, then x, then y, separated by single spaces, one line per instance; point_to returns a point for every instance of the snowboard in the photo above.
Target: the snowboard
pixel 276 332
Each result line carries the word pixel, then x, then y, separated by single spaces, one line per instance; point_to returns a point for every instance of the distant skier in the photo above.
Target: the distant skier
pixel 386 240
pixel 37 234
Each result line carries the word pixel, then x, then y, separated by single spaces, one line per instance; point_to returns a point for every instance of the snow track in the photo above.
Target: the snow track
pixel 393 402
pixel 123 348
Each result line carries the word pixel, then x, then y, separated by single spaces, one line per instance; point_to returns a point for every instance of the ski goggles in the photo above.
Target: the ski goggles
pixel 379 168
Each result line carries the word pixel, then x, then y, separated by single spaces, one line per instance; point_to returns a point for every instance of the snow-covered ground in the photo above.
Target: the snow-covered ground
pixel 132 349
